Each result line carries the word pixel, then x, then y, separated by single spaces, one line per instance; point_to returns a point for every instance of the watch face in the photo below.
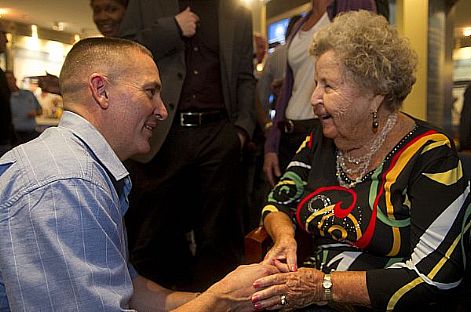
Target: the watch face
pixel 327 284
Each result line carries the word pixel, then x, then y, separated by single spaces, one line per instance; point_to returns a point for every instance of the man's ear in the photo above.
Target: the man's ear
pixel 97 85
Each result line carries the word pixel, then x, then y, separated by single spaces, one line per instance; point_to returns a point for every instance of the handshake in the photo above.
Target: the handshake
pixel 258 286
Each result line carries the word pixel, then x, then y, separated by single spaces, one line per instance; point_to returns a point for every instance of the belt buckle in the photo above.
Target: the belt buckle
pixel 187 124
pixel 289 126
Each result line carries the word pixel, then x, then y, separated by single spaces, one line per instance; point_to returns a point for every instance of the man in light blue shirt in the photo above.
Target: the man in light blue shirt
pixel 63 196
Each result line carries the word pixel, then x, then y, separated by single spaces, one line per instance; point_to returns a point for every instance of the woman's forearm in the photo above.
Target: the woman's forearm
pixel 350 287
pixel 278 225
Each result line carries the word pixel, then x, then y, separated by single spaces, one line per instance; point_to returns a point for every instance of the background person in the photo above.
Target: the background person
pixel 293 119
pixel 387 205
pixel 24 109
pixel 107 15
pixel 465 122
pixel 6 125
pixel 188 193
pixel 64 194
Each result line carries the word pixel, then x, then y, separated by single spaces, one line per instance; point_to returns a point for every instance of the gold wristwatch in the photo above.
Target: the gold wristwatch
pixel 327 285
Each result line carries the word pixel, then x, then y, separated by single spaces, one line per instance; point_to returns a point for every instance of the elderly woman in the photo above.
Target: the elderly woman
pixel 381 192
pixel 107 15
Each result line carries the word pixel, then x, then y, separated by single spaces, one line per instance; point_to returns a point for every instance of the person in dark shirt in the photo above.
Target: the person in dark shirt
pixel 6 126
pixel 465 121
pixel 190 185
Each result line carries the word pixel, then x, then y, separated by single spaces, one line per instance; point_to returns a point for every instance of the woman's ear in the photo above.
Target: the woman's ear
pixel 98 86
pixel 377 101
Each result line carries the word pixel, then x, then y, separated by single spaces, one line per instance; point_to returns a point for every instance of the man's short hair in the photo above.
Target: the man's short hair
pixel 109 56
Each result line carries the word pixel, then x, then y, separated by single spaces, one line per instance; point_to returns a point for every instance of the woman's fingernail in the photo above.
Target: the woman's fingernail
pixel 257 306
pixel 256 284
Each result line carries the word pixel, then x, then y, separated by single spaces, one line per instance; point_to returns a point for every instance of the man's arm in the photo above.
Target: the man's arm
pixel 150 296
pixel 245 80
pixel 232 293
pixel 163 34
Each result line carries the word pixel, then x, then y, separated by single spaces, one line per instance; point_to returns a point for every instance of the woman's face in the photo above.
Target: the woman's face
pixel 343 109
pixel 107 15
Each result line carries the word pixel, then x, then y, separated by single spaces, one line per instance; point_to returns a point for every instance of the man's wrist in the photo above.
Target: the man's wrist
pixel 180 31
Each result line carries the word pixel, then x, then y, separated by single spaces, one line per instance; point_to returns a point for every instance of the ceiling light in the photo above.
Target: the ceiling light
pixel 467 31
pixel 59 26
pixel 3 11
pixel 34 31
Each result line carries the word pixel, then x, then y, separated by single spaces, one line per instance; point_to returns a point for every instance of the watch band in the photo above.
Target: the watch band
pixel 327 285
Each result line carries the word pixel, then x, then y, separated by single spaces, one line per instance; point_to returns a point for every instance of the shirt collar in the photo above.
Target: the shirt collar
pixel 97 144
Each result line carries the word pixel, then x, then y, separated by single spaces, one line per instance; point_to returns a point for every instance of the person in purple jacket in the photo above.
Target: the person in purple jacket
pixel 294 120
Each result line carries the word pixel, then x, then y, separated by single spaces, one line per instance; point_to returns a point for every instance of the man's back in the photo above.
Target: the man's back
pixel 59 209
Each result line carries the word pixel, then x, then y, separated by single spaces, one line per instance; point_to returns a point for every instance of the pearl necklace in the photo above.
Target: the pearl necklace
pixel 361 163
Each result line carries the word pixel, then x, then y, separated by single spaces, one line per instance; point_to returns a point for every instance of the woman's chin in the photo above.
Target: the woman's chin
pixel 329 132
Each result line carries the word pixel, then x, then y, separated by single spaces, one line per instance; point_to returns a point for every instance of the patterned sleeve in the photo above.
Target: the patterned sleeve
pixel 290 189
pixel 439 205
pixel 63 248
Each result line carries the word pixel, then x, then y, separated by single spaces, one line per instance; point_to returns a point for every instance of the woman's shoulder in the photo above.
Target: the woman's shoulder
pixel 424 128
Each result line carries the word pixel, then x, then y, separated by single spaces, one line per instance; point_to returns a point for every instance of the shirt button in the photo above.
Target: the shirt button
pixel 196 72
pixel 196 49
pixel 193 96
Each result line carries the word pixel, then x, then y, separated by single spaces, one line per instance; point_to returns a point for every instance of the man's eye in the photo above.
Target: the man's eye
pixel 150 92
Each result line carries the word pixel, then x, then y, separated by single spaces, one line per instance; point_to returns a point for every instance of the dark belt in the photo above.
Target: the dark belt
pixel 297 126
pixel 195 119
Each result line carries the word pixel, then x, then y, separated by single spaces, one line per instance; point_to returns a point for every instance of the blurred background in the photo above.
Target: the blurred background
pixel 40 33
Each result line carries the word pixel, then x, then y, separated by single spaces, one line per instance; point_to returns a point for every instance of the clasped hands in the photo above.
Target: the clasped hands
pixel 290 288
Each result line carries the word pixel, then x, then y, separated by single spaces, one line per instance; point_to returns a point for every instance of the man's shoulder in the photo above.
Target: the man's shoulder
pixel 54 156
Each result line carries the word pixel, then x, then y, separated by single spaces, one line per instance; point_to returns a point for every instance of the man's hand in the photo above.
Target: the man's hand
pixel 237 287
pixel 271 168
pixel 232 293
pixel 187 21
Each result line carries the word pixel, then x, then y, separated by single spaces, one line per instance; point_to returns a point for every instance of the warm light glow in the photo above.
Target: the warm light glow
pixel 59 26
pixel 77 38
pixel 259 67
pixel 56 51
pixel 462 53
pixel 467 32
pixel 3 11
pixel 34 31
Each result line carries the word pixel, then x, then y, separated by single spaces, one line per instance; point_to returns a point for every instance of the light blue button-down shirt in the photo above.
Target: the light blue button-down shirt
pixel 62 239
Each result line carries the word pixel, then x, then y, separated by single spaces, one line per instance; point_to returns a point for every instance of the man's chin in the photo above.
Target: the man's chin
pixel 143 150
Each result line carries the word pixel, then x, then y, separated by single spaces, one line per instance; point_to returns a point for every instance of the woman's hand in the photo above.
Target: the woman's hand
pixel 283 254
pixel 301 288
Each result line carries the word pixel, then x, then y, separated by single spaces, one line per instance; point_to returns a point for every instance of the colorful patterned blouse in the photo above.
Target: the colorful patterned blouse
pixel 403 223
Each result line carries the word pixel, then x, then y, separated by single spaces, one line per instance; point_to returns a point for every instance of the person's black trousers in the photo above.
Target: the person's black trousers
pixel 193 184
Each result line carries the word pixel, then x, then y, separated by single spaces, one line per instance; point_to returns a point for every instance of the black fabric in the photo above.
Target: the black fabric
pixel 465 121
pixel 6 126
pixel 202 88
pixel 290 142
pixel 203 163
